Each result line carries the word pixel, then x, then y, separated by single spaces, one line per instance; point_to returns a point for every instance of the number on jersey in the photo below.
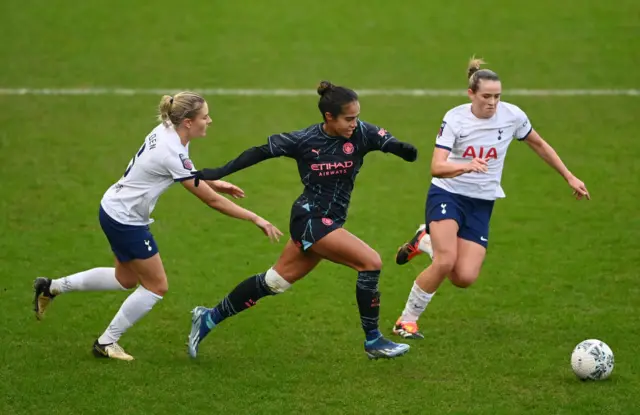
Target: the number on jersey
pixel 133 160
pixel 152 141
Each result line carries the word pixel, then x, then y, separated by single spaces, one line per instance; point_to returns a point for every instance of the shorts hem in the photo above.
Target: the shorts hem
pixel 128 258
pixel 485 245
pixel 428 221
pixel 300 242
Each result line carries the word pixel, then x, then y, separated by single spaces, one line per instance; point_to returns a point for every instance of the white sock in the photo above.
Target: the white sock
pixel 96 279
pixel 416 304
pixel 425 245
pixel 139 303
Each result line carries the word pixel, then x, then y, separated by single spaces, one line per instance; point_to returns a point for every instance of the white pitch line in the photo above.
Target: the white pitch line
pixel 310 92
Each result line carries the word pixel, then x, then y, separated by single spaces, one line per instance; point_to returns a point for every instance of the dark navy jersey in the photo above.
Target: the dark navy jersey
pixel 328 165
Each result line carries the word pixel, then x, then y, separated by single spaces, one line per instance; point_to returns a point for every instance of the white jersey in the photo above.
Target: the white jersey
pixel 467 136
pixel 161 161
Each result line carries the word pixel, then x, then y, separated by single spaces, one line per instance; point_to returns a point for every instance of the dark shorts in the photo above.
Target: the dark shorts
pixel 473 215
pixel 307 227
pixel 127 242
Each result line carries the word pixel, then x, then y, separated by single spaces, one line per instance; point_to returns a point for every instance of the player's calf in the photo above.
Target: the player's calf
pixel 444 264
pixel 368 299
pixel 245 295
pixel 248 292
pixel 423 290
pixel 95 279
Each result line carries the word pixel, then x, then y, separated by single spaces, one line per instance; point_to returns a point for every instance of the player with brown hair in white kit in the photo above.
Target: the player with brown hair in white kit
pixel 466 166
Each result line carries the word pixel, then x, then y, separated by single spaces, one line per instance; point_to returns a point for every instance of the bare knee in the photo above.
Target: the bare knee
pixel 369 262
pixel 157 284
pixel 463 278
pixel 293 264
pixel 126 277
pixel 127 282
pixel 150 272
pixel 292 271
pixel 158 287
pixel 277 283
pixel 444 262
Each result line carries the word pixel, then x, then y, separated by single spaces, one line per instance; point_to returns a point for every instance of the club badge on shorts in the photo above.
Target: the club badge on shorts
pixel 327 221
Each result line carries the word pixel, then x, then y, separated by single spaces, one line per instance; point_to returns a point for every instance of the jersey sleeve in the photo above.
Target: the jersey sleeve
pixel 446 134
pixel 179 166
pixel 283 144
pixel 376 138
pixel 523 125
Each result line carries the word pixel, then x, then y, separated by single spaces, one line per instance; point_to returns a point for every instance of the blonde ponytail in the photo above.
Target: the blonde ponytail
pixel 183 105
pixel 164 109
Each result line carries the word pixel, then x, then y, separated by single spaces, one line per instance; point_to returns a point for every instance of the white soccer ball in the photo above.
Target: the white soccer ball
pixel 592 359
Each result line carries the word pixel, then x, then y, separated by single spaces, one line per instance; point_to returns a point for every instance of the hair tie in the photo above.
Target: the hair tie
pixel 171 100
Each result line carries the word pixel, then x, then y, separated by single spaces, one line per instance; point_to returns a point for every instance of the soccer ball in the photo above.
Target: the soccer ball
pixel 592 359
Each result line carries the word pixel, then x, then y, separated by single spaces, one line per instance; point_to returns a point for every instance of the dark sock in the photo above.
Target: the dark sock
pixel 368 298
pixel 245 295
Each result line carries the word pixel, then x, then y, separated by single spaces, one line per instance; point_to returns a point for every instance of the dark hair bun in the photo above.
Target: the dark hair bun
pixel 324 87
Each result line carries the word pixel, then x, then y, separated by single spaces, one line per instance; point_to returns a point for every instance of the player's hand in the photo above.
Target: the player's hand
pixel 271 231
pixel 579 189
pixel 408 152
pixel 477 165
pixel 221 186
pixel 206 174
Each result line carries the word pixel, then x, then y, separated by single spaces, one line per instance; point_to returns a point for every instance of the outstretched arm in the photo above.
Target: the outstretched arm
pixel 283 144
pixel 549 155
pixel 227 207
pixel 380 139
pixel 246 159
pixel 401 149
pixel 221 186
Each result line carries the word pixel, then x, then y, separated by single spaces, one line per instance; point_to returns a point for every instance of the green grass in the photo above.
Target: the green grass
pixel 558 271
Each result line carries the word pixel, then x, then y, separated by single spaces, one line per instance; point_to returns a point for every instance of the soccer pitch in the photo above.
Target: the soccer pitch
pixel 78 91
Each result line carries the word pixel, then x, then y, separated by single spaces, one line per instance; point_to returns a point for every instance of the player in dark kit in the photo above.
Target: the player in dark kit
pixel 329 156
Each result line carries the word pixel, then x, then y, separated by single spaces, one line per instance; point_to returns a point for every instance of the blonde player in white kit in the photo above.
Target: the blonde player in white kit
pixel 467 164
pixel 124 216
